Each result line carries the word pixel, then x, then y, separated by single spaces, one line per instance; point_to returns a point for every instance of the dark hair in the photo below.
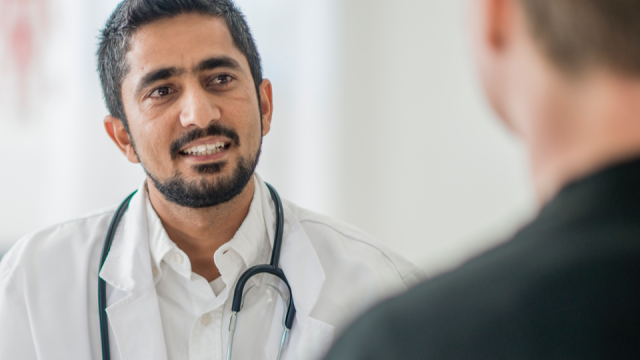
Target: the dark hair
pixel 577 34
pixel 132 14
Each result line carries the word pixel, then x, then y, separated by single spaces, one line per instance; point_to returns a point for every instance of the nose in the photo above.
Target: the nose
pixel 198 109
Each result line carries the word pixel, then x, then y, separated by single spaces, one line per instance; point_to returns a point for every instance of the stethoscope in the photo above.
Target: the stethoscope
pixel 273 268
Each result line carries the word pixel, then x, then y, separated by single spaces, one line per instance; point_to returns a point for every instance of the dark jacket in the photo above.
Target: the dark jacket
pixel 565 287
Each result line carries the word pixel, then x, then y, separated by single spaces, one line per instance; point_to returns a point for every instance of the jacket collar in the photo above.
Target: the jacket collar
pixel 612 192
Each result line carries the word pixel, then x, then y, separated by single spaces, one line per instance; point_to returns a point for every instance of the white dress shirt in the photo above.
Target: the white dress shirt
pixel 195 314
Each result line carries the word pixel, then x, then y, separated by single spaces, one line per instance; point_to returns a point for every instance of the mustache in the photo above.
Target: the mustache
pixel 214 129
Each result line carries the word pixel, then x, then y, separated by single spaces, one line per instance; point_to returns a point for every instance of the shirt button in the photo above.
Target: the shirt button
pixel 177 258
pixel 206 319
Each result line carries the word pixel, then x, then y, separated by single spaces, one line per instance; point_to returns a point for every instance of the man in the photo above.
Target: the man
pixel 565 77
pixel 183 84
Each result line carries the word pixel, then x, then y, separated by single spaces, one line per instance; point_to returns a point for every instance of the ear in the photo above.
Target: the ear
pixel 117 133
pixel 266 105
pixel 492 23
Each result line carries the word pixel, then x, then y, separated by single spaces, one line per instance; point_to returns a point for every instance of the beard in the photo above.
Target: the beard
pixel 205 193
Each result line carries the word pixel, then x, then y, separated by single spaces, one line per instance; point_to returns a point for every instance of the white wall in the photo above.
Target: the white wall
pixel 378 121
pixel 58 162
pixel 425 166
pixel 297 41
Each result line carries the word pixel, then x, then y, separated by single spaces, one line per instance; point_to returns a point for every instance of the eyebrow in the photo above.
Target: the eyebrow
pixel 166 73
pixel 217 62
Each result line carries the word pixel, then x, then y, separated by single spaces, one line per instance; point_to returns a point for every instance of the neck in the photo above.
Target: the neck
pixel 201 232
pixel 597 125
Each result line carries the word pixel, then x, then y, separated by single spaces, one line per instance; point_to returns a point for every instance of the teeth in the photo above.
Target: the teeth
pixel 208 149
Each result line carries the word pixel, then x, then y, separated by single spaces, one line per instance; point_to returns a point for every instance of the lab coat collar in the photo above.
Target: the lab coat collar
pixel 133 311
pixel 128 268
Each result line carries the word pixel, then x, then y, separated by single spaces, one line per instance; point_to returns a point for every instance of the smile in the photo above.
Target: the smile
pixel 205 149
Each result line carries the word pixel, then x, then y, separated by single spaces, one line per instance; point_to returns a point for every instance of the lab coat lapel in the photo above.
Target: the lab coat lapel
pixel 299 261
pixel 302 267
pixel 298 258
pixel 133 309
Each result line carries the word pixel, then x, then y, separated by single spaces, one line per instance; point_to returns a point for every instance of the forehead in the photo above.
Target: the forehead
pixel 181 41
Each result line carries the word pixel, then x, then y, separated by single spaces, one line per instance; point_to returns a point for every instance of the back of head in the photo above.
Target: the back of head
pixel 581 34
pixel 565 76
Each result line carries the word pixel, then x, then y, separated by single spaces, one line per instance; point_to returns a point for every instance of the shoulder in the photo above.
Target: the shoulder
pixel 445 315
pixel 335 238
pixel 56 245
pixel 538 285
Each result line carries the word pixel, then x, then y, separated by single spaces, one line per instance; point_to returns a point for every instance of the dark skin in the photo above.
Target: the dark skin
pixel 186 73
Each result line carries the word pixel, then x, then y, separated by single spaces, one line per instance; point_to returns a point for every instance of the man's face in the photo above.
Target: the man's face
pixel 193 111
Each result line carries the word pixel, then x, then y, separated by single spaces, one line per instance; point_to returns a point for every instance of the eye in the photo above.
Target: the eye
pixel 221 80
pixel 161 92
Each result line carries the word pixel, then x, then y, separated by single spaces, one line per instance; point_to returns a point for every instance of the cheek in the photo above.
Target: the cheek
pixel 153 139
pixel 252 133
pixel 243 114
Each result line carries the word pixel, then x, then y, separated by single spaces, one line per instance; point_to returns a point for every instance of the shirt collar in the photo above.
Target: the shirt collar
pixel 251 241
pixel 159 243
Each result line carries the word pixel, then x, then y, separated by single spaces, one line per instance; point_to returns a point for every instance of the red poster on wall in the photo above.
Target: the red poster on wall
pixel 23 33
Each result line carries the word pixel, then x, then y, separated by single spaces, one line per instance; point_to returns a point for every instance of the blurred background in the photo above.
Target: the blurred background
pixel 379 121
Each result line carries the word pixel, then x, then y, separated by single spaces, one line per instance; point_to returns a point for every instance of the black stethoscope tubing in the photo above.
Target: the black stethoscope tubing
pixel 273 268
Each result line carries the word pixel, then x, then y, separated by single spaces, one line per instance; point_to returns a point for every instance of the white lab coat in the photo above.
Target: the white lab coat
pixel 49 286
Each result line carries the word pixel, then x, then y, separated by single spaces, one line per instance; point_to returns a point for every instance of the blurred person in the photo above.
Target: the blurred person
pixel 183 83
pixel 564 75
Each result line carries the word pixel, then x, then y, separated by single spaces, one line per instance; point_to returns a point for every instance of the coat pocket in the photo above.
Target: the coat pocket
pixel 315 340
